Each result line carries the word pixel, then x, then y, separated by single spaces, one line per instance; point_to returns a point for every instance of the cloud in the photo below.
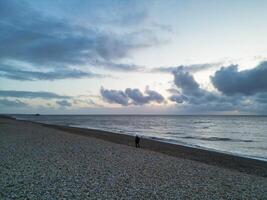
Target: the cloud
pixel 154 96
pixel 138 98
pixel 261 97
pixel 27 75
pixel 116 12
pixel 52 43
pixel 31 95
pixel 190 92
pixel 163 27
pixel 64 103
pixel 87 102
pixel 12 103
pixel 178 98
pixel 117 66
pixel 131 96
pixel 184 80
pixel 193 98
pixel 189 68
pixel 230 81
pixel 114 96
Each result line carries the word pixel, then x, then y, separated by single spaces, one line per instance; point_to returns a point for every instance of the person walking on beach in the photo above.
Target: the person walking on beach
pixel 137 141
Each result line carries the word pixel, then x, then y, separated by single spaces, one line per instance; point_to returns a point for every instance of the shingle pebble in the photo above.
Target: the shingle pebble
pixel 43 163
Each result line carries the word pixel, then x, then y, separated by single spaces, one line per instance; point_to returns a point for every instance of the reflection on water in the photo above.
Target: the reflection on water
pixel 243 135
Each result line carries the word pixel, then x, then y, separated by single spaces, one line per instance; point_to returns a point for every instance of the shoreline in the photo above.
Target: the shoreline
pixel 220 159
pixel 162 140
pixel 46 162
pixel 154 138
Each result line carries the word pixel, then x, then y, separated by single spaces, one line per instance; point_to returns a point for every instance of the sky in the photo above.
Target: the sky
pixel 133 57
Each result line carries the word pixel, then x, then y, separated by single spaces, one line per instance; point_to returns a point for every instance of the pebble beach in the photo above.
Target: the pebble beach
pixel 43 162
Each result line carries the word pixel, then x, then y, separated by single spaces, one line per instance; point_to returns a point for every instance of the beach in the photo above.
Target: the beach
pixel 55 162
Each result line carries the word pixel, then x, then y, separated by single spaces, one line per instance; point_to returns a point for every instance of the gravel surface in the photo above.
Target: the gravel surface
pixel 38 162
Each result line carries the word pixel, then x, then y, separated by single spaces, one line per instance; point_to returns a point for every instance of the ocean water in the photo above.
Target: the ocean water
pixel 239 135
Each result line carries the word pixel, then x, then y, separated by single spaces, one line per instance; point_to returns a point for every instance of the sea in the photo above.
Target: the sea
pixel 244 136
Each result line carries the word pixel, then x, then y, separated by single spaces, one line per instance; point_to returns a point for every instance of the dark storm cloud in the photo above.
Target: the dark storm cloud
pixel 10 72
pixel 230 81
pixel 131 96
pixel 12 103
pixel 31 95
pixel 41 41
pixel 64 103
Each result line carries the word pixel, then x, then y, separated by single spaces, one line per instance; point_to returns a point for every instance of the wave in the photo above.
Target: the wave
pixel 206 127
pixel 173 133
pixel 201 122
pixel 260 148
pixel 216 139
